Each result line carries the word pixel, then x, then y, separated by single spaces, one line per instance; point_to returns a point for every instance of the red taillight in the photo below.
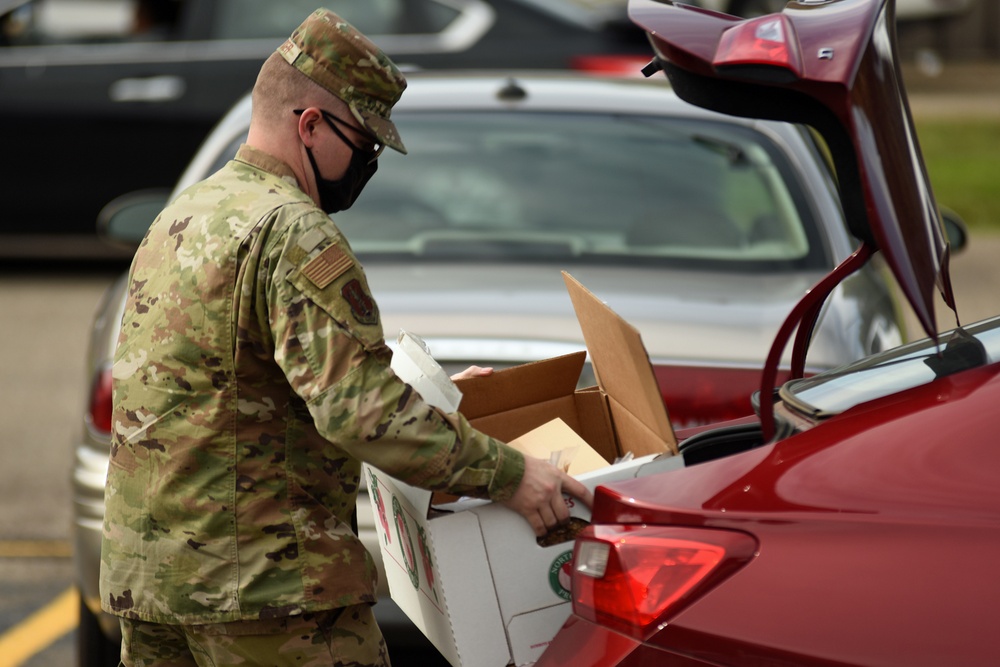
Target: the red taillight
pixel 768 41
pixel 610 65
pixel 99 412
pixel 632 579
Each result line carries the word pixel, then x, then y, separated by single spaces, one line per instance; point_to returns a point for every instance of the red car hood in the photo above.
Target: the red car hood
pixel 828 64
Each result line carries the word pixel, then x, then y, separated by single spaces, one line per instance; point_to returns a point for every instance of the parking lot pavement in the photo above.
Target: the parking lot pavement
pixel 957 89
pixel 46 313
pixel 38 609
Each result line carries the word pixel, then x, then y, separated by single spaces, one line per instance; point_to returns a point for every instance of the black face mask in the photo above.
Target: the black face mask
pixel 341 194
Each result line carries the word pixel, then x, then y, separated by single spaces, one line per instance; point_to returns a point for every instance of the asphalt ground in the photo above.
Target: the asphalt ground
pixel 45 313
pixel 953 90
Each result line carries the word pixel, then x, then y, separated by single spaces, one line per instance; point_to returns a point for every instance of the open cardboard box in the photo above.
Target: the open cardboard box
pixel 470 574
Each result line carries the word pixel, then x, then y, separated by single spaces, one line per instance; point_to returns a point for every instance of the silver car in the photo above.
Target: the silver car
pixel 701 230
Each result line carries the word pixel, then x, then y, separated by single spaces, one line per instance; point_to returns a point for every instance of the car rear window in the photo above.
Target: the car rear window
pixel 890 372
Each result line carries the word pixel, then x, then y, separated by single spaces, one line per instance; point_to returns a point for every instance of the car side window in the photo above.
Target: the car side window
pixel 259 19
pixel 50 22
pixel 269 19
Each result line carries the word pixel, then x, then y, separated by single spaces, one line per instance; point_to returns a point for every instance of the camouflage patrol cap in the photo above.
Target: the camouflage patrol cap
pixel 332 52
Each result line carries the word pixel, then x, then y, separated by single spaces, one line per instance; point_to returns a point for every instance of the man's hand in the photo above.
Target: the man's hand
pixel 539 498
pixel 472 372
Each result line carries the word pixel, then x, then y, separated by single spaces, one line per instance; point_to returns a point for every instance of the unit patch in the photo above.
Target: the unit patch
pixel 362 305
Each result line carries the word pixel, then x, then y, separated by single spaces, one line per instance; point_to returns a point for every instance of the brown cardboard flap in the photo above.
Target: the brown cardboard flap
pixel 595 422
pixel 622 366
pixel 513 401
pixel 584 411
pixel 514 423
pixel 636 437
pixel 523 385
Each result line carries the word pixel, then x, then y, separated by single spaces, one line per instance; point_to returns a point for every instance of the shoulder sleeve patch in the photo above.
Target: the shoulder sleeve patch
pixel 327 266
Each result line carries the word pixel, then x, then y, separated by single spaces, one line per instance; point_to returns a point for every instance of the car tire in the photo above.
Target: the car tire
pixel 93 648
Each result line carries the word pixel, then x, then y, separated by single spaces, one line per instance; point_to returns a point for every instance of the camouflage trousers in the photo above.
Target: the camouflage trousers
pixel 346 637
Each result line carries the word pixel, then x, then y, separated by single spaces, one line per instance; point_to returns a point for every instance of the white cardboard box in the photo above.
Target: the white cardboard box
pixel 470 574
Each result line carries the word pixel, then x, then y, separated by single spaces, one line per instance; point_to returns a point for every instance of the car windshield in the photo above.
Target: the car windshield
pixel 585 188
pixel 895 370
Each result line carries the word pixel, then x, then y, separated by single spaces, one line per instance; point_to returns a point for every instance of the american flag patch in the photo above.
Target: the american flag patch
pixel 327 266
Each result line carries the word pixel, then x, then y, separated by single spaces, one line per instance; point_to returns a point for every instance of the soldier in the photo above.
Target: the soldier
pixel 251 380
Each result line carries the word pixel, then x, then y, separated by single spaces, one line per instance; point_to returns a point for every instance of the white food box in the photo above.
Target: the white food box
pixel 470 574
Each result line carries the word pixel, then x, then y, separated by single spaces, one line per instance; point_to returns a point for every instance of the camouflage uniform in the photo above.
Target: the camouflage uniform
pixel 342 636
pixel 251 378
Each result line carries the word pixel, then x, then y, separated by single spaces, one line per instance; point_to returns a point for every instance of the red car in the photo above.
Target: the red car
pixel 855 519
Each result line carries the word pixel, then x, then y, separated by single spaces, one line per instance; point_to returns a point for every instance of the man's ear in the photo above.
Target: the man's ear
pixel 308 120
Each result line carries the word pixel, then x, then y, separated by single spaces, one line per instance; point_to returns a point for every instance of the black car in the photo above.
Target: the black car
pixel 102 97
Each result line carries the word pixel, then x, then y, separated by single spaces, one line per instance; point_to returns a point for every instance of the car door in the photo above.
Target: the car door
pixel 96 101
pixel 93 103
pixel 235 36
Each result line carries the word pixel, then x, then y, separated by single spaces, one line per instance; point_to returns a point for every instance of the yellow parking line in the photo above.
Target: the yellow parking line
pixel 39 630
pixel 35 549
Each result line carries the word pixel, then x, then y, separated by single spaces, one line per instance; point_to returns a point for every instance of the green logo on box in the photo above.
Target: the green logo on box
pixel 560 573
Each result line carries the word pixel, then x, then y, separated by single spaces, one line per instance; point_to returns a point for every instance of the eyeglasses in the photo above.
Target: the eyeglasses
pixel 372 151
